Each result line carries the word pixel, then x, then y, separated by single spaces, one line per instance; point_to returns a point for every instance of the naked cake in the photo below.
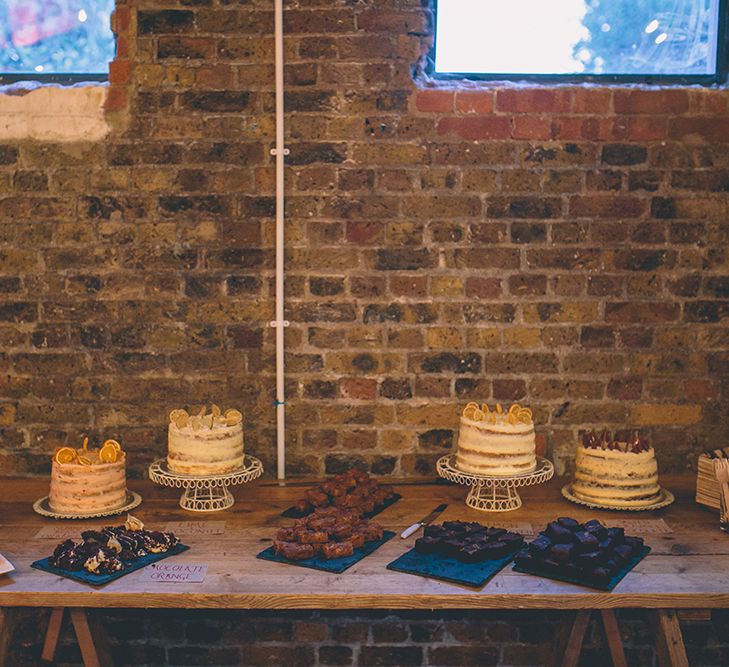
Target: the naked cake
pixel 205 443
pixel 496 442
pixel 87 481
pixel 616 472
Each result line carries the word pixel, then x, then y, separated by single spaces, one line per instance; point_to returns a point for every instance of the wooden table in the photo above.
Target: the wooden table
pixel 685 570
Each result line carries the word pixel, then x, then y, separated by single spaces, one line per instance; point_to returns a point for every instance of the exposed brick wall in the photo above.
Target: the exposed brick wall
pixel 314 639
pixel 565 247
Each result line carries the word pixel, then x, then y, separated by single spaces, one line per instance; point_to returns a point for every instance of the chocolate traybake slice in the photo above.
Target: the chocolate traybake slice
pixel 468 542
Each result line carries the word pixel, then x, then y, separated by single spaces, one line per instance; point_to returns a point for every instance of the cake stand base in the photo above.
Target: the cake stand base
pixel 209 499
pixel 206 493
pixel 491 498
pixel 494 494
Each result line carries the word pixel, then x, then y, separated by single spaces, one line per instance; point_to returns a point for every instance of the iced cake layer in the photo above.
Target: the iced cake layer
pixel 86 489
pixel 499 448
pixel 205 451
pixel 616 477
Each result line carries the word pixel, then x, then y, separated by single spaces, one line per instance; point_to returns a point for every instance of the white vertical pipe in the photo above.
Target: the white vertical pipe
pixel 280 390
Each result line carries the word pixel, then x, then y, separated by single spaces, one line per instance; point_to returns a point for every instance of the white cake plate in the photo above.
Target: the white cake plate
pixel 665 498
pixel 492 493
pixel 42 506
pixel 206 493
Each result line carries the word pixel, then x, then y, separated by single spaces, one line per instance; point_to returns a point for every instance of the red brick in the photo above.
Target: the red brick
pixel 699 129
pixel 121 18
pixel 651 128
pixel 358 388
pixel 216 77
pixel 603 206
pixel 122 47
pixel 120 71
pixel 434 100
pixel 651 101
pixel 533 100
pixel 700 390
pixel 591 100
pixel 116 98
pixel 475 128
pixel 532 127
pixel 391 22
pixel 708 101
pixel 475 101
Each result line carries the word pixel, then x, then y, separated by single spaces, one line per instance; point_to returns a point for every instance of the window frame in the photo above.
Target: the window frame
pixel 720 77
pixel 16 77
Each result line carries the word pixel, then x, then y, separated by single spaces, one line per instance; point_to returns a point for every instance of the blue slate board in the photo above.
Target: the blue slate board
pixel 293 513
pixel 617 577
pixel 100 579
pixel 336 565
pixel 449 569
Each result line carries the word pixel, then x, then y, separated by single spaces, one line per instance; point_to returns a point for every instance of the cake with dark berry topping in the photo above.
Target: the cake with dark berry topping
pixel 616 472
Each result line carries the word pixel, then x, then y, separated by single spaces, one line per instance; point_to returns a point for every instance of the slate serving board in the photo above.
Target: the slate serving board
pixel 336 565
pixel 100 579
pixel 550 573
pixel 293 513
pixel 449 569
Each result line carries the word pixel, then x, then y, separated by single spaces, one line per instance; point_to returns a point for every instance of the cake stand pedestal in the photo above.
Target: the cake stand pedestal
pixel 206 493
pixel 494 494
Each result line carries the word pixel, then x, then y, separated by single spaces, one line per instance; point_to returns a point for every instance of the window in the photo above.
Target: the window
pixel 55 39
pixel 622 40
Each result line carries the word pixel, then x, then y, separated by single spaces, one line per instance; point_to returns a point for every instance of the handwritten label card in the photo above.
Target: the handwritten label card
pixel 175 573
pixel 185 528
pixel 62 532
pixel 521 527
pixel 640 526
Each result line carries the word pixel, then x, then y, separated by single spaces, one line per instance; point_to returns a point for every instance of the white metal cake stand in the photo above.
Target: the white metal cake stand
pixel 494 494
pixel 206 493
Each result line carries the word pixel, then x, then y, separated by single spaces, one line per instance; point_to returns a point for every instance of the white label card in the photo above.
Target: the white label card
pixel 521 527
pixel 195 527
pixel 639 526
pixel 175 573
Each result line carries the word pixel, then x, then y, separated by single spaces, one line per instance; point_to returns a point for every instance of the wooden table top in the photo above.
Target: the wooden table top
pixel 687 568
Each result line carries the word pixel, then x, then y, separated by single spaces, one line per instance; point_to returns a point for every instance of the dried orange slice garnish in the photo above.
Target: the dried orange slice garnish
pixel 233 417
pixel 469 411
pixel 175 414
pixel 65 455
pixel 108 453
pixel 202 412
pixel 478 415
pixel 511 418
pixel 215 410
pixel 182 420
pixel 84 460
pixel 499 409
pixel 515 408
pixel 485 408
pixel 113 443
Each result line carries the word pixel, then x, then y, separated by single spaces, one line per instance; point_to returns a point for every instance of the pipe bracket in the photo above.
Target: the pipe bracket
pixel 274 151
pixel 277 323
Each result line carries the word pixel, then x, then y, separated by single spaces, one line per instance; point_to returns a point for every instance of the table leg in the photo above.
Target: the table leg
pixel 568 654
pixel 614 640
pixel 53 634
pixel 670 648
pixel 7 625
pixel 92 639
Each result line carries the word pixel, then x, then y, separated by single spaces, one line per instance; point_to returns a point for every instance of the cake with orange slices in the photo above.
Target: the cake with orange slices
pixel 87 481
pixel 496 442
pixel 205 444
